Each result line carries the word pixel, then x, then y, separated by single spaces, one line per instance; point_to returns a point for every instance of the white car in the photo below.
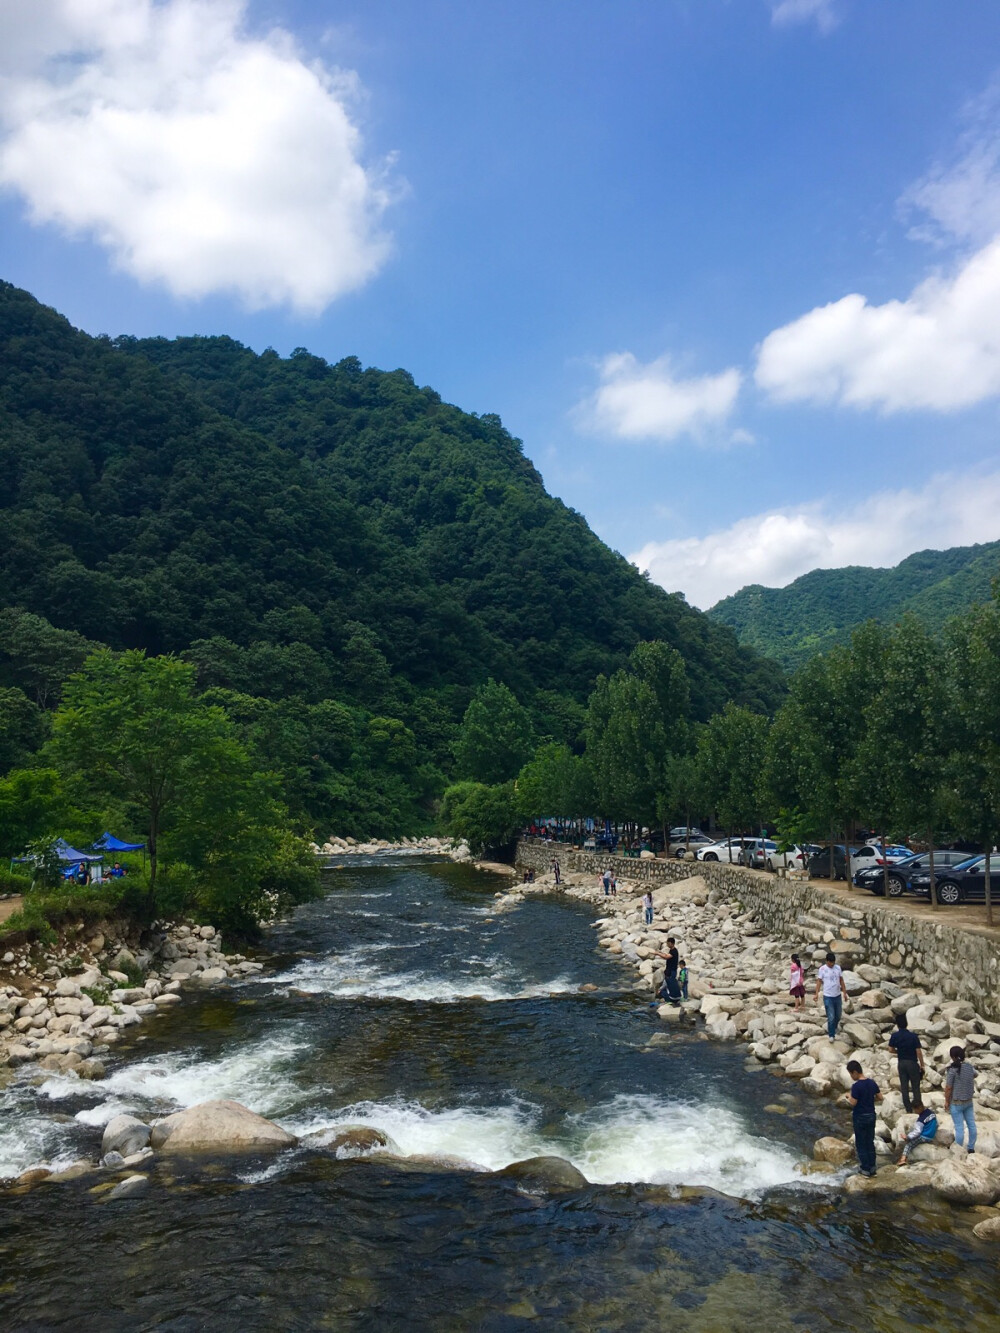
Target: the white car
pixel 728 849
pixel 871 855
pixel 763 854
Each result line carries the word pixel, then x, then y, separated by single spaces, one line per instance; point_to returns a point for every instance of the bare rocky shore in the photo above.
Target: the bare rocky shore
pixel 738 992
pixel 337 846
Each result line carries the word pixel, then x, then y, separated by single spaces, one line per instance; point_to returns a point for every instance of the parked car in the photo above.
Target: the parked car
pixel 678 846
pixel 819 863
pixel 964 883
pixel 871 854
pixel 727 849
pixel 900 872
pixel 764 855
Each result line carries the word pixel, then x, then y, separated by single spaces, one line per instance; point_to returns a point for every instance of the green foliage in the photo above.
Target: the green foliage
pixel 731 752
pixel 555 782
pixel 822 608
pixel 46 866
pixel 495 738
pixel 486 816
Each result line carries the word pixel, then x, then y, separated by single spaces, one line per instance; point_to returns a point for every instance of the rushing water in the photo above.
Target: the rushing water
pixel 401 1002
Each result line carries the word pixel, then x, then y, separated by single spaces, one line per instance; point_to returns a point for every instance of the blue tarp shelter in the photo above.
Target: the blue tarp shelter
pixel 107 842
pixel 67 853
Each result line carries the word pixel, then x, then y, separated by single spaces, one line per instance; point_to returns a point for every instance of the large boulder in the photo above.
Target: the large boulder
pixel 891 1180
pixel 221 1127
pixel 988 1229
pixel 836 1151
pixel 969 1181
pixel 549 1174
pixel 124 1134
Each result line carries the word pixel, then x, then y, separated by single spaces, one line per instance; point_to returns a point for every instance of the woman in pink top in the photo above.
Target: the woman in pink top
pixel 797 982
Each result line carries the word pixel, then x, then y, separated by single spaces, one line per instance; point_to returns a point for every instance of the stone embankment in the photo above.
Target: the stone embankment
pixel 959 963
pixel 335 846
pixel 739 992
pixel 65 1008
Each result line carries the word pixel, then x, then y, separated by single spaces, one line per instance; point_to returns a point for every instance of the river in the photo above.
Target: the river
pixel 399 1000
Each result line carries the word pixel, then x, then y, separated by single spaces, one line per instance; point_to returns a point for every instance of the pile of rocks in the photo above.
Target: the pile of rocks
pixel 335 846
pixel 65 1011
pixel 739 988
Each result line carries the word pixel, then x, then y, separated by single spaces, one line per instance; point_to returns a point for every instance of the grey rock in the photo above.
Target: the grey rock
pixel 125 1134
pixel 129 1188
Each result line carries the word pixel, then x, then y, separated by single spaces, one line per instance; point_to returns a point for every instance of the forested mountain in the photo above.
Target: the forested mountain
pixel 343 556
pixel 822 607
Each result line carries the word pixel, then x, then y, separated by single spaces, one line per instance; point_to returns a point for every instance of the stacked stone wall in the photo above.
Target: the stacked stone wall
pixel 958 962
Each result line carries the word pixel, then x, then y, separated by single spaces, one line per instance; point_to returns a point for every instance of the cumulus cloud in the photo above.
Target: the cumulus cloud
pixel 650 402
pixel 939 349
pixel 820 12
pixel 776 547
pixel 202 157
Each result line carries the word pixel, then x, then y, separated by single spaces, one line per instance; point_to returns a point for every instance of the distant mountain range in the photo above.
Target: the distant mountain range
pixel 821 608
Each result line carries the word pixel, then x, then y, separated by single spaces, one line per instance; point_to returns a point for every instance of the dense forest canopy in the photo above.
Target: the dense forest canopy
pixel 343 557
pixel 822 608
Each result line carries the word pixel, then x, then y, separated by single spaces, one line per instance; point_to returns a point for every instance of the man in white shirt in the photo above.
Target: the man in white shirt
pixel 830 978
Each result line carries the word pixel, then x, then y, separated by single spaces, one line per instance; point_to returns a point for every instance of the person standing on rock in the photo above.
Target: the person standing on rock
pixel 864 1094
pixel 606 881
pixel 647 907
pixel 556 870
pixel 959 1079
pixel 830 979
pixel 670 986
pixel 909 1062
pixel 797 982
pixel 614 885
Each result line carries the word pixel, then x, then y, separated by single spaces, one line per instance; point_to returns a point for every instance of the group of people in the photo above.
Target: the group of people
pixel 674 987
pixel 610 882
pixel 959 1079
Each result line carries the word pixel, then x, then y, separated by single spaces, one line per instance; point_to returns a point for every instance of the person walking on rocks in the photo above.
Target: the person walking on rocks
pixel 682 978
pixel 959 1079
pixel 647 907
pixel 614 885
pixel 864 1094
pixel 909 1062
pixel 606 881
pixel 556 870
pixel 797 982
pixel 830 979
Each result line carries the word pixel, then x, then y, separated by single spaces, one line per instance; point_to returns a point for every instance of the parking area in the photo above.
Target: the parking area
pixel 971 916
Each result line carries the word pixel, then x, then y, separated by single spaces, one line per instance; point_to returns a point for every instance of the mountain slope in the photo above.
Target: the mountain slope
pixel 307 533
pixel 822 607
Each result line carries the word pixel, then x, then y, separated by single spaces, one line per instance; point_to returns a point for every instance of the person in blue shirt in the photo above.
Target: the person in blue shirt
pixel 923 1130
pixel 864 1094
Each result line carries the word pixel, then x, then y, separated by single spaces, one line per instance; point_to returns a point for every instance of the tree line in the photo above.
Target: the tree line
pixel 896 731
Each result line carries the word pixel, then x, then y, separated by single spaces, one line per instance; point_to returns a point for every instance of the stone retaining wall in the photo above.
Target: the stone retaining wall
pixel 959 963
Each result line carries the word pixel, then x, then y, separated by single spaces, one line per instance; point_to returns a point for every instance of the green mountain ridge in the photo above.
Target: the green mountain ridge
pixel 343 556
pixel 823 607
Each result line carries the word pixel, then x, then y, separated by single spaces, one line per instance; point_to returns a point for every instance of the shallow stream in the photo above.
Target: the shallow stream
pixel 401 1001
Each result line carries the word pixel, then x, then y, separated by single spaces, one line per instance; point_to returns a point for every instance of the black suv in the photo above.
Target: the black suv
pixel 872 878
pixel 963 883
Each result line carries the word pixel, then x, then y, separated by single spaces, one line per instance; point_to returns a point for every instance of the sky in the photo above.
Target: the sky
pixel 729 268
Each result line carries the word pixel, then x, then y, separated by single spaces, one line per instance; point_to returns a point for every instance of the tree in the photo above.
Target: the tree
pixel 33 805
pixel 132 727
pixel 900 761
pixel 486 816
pixel 36 657
pixel 974 725
pixel 496 737
pixel 731 750
pixel 23 727
pixel 555 782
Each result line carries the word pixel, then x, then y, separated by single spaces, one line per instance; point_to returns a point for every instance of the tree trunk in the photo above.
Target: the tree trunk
pixel 930 841
pixel 885 868
pixel 833 868
pixel 986 882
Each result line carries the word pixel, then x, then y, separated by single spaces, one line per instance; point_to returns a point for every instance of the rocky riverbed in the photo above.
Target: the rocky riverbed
pixel 429 846
pixel 738 992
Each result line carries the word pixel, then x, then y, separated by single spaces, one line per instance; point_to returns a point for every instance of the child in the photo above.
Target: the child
pixel 797 983
pixel 614 885
pixel 682 978
pixel 924 1129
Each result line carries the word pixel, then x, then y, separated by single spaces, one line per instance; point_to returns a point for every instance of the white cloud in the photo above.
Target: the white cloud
pixel 649 402
pixel 939 349
pixel 203 158
pixel 960 199
pixel 776 547
pixel 822 12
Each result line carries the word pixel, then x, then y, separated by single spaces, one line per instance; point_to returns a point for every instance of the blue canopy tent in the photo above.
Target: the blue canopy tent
pixel 67 853
pixel 107 842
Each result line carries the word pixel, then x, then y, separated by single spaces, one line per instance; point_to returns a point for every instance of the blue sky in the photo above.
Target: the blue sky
pixel 730 268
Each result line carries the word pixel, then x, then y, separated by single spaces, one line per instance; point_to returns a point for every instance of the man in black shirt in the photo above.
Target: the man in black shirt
pixel 909 1062
pixel 864 1094
pixel 670 985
